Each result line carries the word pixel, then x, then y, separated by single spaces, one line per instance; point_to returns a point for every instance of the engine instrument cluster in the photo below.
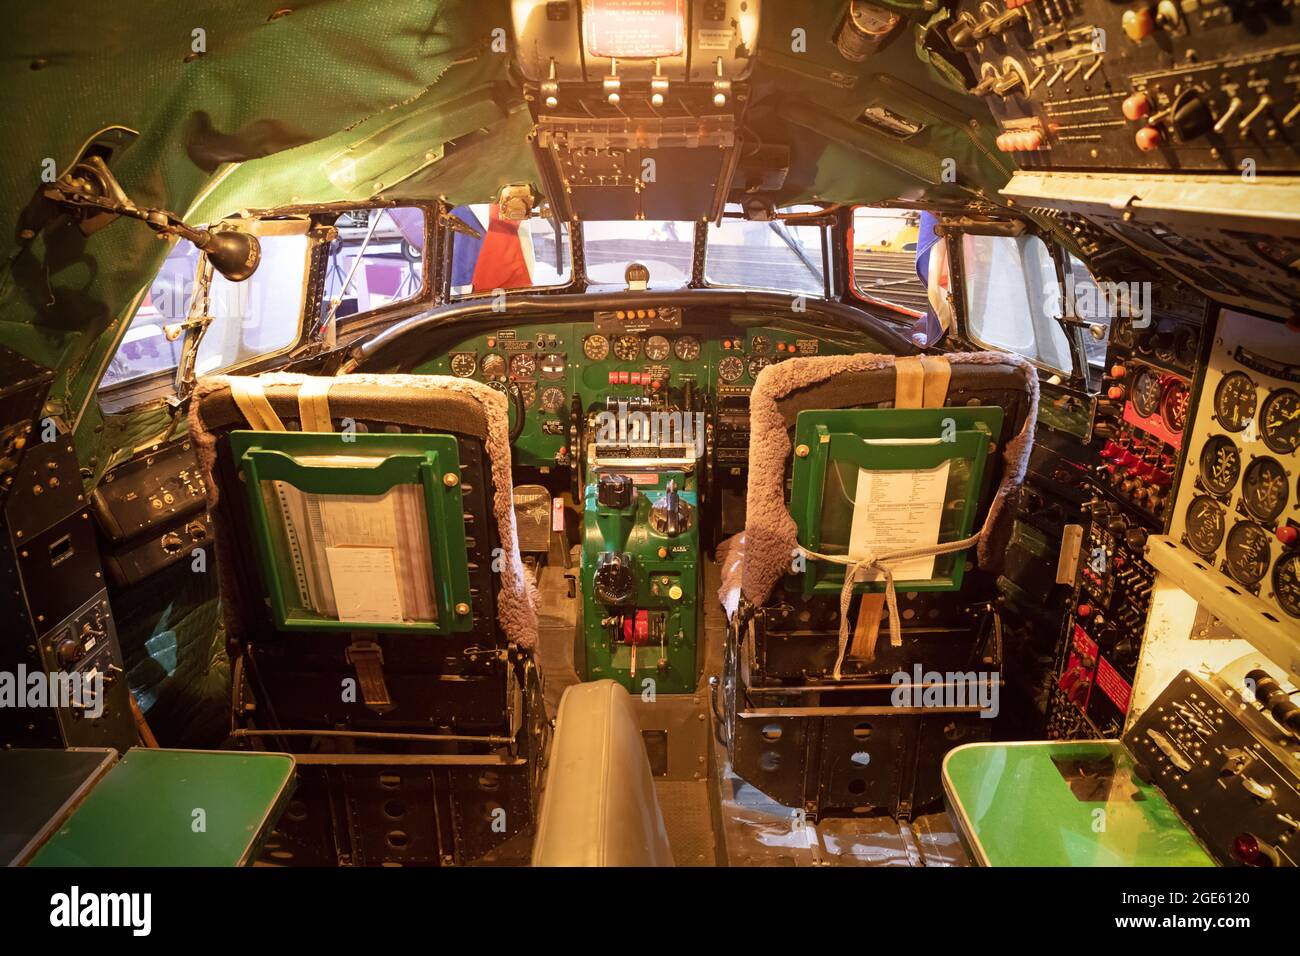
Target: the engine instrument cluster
pixel 1239 499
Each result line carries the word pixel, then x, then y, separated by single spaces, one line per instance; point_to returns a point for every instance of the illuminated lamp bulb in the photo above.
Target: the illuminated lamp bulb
pixel 552 102
pixel 612 99
pixel 719 100
pixel 657 99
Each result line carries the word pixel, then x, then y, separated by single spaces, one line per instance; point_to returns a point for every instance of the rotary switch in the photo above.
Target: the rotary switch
pixel 614 491
pixel 613 581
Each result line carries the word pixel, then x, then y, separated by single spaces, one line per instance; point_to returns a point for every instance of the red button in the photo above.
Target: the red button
pixel 1136 107
pixel 1288 534
pixel 1085 610
pixel 1149 138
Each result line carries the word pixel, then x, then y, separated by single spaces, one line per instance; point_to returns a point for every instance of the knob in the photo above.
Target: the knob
pixel 1190 117
pixel 1288 534
pixel 613 581
pixel 68 650
pixel 1149 138
pixel 1115 392
pixel 1252 851
pixel 1136 106
pixel 1118 371
pixel 614 491
pixel 670 515
pixel 1138 23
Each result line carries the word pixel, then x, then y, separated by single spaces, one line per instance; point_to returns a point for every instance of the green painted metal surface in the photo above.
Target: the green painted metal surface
pixel 840 441
pixel 1051 803
pixel 671 664
pixel 174 808
pixel 421 460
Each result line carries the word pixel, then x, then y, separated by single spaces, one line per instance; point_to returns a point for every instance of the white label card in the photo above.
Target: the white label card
pixel 897 510
pixel 365 584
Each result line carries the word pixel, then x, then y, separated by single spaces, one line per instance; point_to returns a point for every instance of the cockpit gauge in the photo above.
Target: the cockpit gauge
pixel 553 399
pixel 756 364
pixel 464 364
pixel 1220 464
pixel 523 365
pixel 627 348
pixel 552 366
pixel 528 391
pixel 1286 583
pixel 1204 525
pixel 1146 392
pixel 687 348
pixel 1173 405
pixel 494 366
pixel 657 348
pixel 731 368
pixel 1264 488
pixel 1279 421
pixel 1249 552
pixel 760 345
pixel 595 347
pixel 1234 401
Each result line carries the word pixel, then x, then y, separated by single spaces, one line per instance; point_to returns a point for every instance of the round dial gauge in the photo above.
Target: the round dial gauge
pixel 760 345
pixel 1249 552
pixel 595 347
pixel 1173 405
pixel 657 348
pixel 627 347
pixel 1146 392
pixel 1279 421
pixel 552 366
pixel 1234 401
pixel 494 366
pixel 528 391
pixel 687 348
pixel 523 365
pixel 1264 488
pixel 1220 464
pixel 1204 525
pixel 553 399
pixel 756 364
pixel 731 368
pixel 464 364
pixel 1286 583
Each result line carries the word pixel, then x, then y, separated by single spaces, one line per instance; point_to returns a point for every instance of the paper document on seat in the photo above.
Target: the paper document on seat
pixel 365 584
pixel 895 511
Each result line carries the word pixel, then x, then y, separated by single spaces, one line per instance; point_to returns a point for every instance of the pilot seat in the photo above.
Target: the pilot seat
pixel 380 624
pixel 856 657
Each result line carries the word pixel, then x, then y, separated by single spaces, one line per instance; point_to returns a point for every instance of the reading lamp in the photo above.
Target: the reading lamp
pixel 91 195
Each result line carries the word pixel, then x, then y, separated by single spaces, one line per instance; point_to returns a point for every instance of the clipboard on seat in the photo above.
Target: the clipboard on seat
pixel 878 480
pixel 358 533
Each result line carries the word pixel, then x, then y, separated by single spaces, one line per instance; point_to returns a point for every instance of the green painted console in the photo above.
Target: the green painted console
pixel 641 577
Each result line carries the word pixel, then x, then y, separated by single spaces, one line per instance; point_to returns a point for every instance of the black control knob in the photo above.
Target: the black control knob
pixel 670 515
pixel 1190 117
pixel 613 581
pixel 614 491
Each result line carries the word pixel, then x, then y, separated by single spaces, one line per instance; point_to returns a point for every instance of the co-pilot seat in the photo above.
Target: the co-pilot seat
pixel 379 621
pixel 843 699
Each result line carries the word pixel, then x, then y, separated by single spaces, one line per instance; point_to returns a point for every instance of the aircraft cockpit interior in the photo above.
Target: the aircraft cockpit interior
pixel 647 433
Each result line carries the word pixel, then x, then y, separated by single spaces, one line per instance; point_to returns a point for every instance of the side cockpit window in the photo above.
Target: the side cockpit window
pixel 1013 298
pixel 145 349
pixel 375 260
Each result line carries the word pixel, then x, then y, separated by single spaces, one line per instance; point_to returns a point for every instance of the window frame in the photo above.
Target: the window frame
pixel 577 265
pixel 957 261
pixel 824 218
pixel 909 316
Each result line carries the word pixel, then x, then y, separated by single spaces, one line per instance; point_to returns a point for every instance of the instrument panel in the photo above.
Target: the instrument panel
pixel 1239 500
pixel 701 367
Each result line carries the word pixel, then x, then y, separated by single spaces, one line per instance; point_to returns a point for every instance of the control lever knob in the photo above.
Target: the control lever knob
pixel 614 491
pixel 670 515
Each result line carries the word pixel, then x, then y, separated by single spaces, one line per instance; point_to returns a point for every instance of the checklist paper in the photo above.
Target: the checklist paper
pixel 897 510
pixel 365 584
